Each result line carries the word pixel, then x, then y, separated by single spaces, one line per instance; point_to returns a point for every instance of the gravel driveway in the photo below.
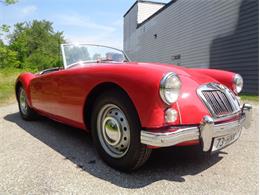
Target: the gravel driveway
pixel 47 157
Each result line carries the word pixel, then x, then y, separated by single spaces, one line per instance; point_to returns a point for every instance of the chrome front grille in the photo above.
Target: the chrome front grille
pixel 219 99
pixel 219 102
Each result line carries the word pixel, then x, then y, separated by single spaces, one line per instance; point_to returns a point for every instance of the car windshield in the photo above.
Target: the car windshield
pixel 86 53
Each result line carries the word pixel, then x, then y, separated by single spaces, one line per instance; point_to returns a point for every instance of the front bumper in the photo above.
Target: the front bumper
pixel 205 132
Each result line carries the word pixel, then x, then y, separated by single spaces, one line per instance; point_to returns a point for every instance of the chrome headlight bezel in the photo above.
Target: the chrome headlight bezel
pixel 166 92
pixel 237 83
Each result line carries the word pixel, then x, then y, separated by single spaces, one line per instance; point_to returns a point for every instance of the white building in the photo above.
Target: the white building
pixel 220 34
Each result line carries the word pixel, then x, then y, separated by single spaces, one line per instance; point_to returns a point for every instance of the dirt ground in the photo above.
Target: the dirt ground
pixel 43 156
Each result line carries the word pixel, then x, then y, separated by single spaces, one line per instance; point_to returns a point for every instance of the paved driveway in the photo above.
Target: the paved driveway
pixel 47 157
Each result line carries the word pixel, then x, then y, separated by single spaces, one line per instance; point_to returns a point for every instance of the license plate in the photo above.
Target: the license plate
pixel 221 142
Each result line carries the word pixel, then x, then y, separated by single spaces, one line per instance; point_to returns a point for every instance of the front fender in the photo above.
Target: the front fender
pixel 224 77
pixel 24 79
pixel 144 93
pixel 151 109
pixel 143 88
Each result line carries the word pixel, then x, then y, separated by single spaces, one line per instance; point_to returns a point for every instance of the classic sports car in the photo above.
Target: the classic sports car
pixel 131 108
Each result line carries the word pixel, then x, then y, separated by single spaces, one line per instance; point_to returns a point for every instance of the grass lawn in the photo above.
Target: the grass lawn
pixel 249 97
pixel 7 81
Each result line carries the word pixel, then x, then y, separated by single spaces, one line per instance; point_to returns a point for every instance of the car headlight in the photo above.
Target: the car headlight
pixel 237 83
pixel 170 88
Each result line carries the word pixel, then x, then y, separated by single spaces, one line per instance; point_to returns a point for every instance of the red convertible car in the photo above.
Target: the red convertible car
pixel 131 108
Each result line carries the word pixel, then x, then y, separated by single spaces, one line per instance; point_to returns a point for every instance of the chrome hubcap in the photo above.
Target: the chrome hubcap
pixel 113 130
pixel 22 101
pixel 112 133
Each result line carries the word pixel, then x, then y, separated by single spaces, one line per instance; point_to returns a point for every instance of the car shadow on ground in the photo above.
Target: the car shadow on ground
pixel 75 145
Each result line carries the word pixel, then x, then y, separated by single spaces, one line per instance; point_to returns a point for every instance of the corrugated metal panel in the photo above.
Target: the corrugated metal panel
pixel 130 24
pixel 221 34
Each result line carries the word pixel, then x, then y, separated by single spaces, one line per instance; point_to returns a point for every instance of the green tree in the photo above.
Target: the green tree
pixel 8 2
pixel 75 54
pixel 37 44
pixel 8 58
pixel 5 28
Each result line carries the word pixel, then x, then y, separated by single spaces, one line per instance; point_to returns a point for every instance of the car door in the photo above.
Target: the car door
pixel 72 93
pixel 62 95
pixel 45 93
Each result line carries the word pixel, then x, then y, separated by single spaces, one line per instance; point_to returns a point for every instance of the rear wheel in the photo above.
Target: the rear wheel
pixel 25 111
pixel 116 132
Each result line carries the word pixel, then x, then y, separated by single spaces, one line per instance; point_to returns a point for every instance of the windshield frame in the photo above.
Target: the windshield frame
pixel 65 65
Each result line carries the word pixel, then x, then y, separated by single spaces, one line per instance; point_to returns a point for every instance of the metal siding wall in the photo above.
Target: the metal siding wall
pixel 221 34
pixel 130 24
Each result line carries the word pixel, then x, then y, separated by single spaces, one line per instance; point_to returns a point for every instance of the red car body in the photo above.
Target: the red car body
pixel 63 95
pixel 131 107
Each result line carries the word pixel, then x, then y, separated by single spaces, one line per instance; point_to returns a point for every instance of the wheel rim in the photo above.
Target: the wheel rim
pixel 113 130
pixel 23 101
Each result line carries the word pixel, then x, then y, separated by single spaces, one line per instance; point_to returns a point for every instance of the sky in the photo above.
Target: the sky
pixel 96 21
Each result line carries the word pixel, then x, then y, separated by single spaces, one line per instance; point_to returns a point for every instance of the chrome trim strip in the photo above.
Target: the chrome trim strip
pixel 247 110
pixel 169 138
pixel 207 129
pixel 221 129
pixel 204 132
pixel 63 56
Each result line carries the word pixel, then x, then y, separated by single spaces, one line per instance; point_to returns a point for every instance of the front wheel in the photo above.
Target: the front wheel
pixel 25 111
pixel 116 132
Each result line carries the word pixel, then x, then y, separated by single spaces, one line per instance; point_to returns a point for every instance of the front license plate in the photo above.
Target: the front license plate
pixel 221 142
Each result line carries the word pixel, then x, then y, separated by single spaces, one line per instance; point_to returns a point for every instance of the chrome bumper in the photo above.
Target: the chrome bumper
pixel 205 132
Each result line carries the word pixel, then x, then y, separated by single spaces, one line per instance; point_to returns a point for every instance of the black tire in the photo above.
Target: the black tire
pixel 137 153
pixel 28 113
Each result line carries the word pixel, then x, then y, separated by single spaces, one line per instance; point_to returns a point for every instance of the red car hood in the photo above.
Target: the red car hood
pixel 149 69
pixel 193 74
